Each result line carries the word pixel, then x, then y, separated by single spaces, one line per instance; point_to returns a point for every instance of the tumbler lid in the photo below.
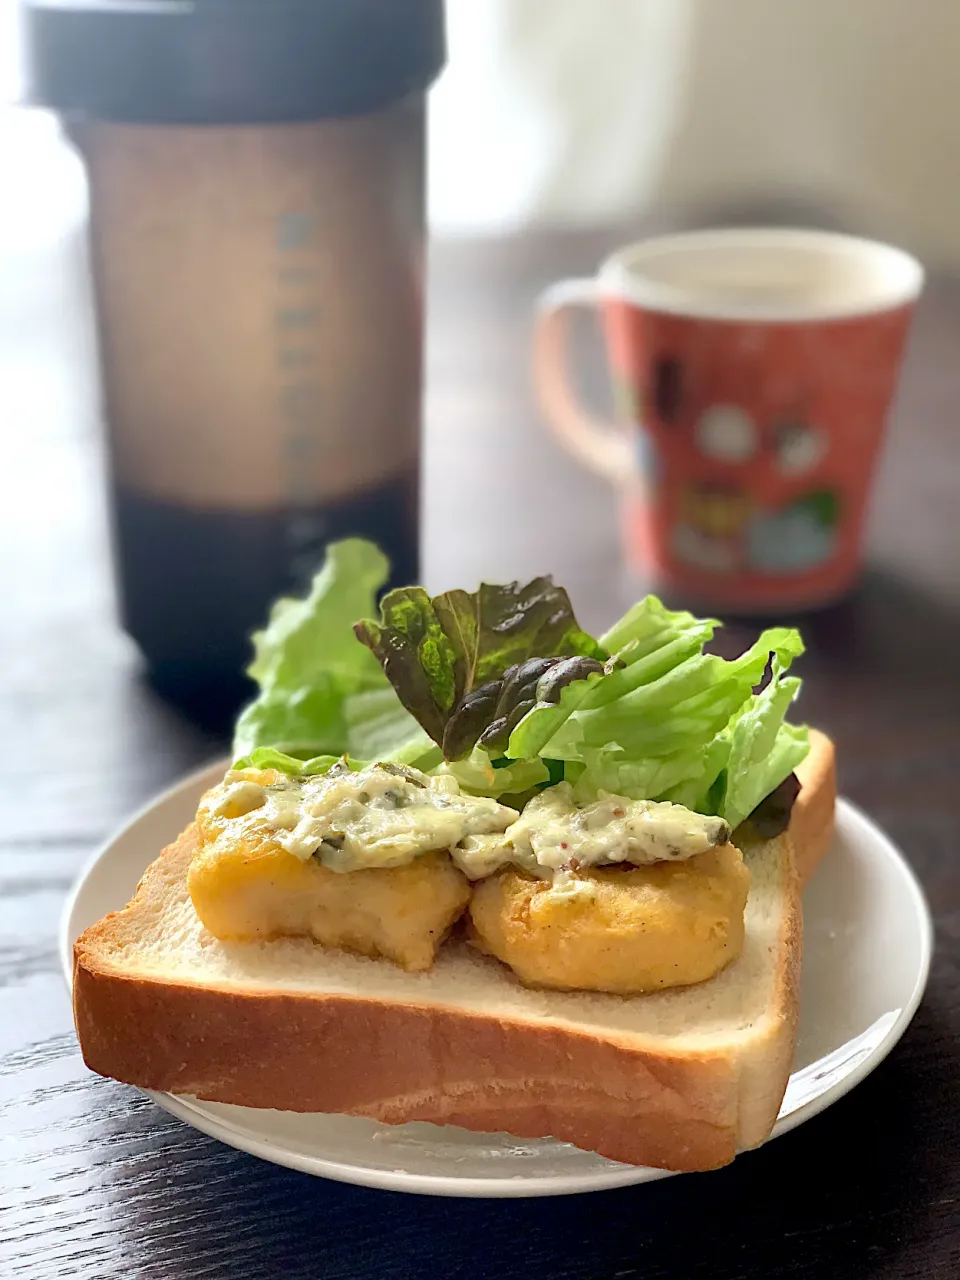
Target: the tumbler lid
pixel 229 61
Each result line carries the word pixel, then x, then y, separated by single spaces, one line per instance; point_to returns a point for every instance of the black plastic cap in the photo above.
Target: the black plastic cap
pixel 229 61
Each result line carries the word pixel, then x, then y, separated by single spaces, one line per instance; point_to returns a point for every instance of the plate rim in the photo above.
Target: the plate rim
pixel 191 1111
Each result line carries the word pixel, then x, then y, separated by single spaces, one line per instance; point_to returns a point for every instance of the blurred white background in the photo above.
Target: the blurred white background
pixel 574 111
pixel 579 111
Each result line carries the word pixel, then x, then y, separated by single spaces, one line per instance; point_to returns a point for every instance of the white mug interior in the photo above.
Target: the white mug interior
pixel 763 274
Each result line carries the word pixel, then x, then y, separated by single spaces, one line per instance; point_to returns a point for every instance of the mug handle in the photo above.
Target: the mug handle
pixel 602 446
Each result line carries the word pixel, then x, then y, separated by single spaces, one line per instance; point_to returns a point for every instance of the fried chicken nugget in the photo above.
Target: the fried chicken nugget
pixel 629 930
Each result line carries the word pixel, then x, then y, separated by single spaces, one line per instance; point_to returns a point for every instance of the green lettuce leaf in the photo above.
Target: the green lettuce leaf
pixel 322 693
pixel 649 625
pixel 691 772
pixel 763 749
pixel 680 708
pixel 544 720
pixel 416 655
pixel 380 728
pixel 699 791
pixel 270 758
pixel 654 717
pixel 435 652
pixel 480 776
pixel 672 723
pixel 646 643
pixel 306 641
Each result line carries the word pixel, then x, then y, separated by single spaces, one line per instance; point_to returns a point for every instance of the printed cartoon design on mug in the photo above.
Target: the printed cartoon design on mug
pixel 797 538
pixel 728 434
pixel 737 517
pixel 799 447
pixel 709 531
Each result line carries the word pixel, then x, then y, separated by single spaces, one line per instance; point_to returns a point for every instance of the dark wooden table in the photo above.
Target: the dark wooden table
pixel 95 1181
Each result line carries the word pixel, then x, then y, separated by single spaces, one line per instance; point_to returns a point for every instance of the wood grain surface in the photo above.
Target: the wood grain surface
pixel 95 1181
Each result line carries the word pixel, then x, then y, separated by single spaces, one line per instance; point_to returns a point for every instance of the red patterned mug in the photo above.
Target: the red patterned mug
pixel 753 370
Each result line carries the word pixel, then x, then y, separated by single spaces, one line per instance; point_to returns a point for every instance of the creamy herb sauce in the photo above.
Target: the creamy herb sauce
pixel 381 816
pixel 385 815
pixel 554 837
pixel 613 829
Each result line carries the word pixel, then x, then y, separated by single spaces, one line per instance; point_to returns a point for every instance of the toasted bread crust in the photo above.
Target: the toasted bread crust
pixel 812 819
pixel 682 1110
pixel 763 1079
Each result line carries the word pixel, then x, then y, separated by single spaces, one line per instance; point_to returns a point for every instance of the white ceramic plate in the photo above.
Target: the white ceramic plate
pixel 867 944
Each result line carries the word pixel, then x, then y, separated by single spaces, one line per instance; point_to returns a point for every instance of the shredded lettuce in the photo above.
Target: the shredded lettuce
pixel 763 749
pixel 668 705
pixel 686 726
pixel 649 715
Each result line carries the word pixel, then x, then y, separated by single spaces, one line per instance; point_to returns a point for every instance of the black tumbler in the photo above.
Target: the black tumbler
pixel 256 172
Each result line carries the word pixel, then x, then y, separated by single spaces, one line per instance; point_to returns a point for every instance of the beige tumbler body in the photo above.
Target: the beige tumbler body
pixel 259 293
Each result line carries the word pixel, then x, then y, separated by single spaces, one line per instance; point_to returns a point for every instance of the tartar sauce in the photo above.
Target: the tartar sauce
pixel 387 814
pixel 380 816
pixel 555 838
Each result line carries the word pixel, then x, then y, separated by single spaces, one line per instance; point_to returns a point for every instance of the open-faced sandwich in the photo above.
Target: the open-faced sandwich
pixel 473 866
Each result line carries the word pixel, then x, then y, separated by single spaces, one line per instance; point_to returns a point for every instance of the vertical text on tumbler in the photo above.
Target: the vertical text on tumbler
pixel 296 319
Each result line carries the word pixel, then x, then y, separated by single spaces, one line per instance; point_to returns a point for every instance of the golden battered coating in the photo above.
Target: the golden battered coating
pixel 669 924
pixel 245 885
pixel 402 913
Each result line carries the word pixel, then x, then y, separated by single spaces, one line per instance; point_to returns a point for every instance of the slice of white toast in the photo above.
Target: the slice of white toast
pixel 681 1079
